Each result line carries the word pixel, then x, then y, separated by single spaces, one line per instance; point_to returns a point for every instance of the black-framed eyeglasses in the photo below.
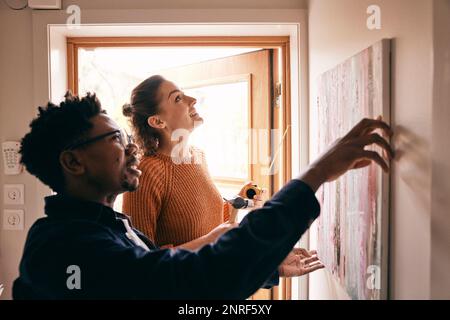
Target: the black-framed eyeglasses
pixel 124 137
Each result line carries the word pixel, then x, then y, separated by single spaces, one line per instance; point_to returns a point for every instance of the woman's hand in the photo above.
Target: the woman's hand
pixel 258 200
pixel 300 262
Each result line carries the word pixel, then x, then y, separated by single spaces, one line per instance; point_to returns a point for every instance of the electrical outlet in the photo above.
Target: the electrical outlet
pixel 13 194
pixel 13 219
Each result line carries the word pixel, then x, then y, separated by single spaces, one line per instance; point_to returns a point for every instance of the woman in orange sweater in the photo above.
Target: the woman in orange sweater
pixel 177 203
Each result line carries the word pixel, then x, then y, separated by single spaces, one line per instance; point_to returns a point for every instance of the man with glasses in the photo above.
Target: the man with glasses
pixel 77 150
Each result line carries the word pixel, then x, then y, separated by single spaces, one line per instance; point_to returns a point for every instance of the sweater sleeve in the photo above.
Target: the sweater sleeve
pixel 145 204
pixel 226 211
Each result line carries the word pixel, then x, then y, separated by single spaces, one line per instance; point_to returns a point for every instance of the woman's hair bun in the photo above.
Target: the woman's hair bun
pixel 127 110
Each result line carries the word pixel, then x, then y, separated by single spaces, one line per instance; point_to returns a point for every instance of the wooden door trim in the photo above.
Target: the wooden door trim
pixel 266 42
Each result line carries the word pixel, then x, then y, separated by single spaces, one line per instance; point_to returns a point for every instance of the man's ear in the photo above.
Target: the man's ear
pixel 156 122
pixel 70 162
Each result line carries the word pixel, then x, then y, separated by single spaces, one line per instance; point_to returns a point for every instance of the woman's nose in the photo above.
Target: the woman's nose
pixel 193 101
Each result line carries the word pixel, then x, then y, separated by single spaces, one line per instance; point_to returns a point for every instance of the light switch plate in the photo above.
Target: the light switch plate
pixel 44 4
pixel 13 194
pixel 13 219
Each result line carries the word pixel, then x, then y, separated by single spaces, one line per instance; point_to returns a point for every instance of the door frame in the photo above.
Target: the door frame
pixel 280 117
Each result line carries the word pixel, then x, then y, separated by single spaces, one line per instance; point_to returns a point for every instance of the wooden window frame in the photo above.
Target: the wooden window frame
pixel 280 117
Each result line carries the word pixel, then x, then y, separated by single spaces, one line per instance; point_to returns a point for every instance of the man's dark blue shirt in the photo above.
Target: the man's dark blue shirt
pixel 93 238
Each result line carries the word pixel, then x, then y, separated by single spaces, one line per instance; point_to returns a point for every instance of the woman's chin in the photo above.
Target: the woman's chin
pixel 197 121
pixel 131 184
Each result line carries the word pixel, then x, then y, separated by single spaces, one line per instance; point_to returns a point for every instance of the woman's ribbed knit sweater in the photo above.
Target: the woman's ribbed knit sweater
pixel 175 203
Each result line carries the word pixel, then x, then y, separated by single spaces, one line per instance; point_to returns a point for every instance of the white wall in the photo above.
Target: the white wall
pixel 16 99
pixel 24 69
pixel 440 201
pixel 337 30
pixel 183 4
pixel 189 4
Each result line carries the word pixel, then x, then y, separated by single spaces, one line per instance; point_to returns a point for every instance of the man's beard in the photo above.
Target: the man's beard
pixel 127 186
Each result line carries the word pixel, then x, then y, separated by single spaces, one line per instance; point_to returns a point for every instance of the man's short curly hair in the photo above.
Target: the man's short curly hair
pixel 52 130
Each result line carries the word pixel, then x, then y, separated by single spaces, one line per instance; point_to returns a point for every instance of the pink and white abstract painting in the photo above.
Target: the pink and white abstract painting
pixel 353 226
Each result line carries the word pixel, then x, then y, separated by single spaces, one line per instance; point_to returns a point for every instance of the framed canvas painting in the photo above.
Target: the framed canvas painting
pixel 353 227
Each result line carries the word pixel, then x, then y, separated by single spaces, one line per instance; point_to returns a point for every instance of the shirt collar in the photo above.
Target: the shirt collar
pixel 66 207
